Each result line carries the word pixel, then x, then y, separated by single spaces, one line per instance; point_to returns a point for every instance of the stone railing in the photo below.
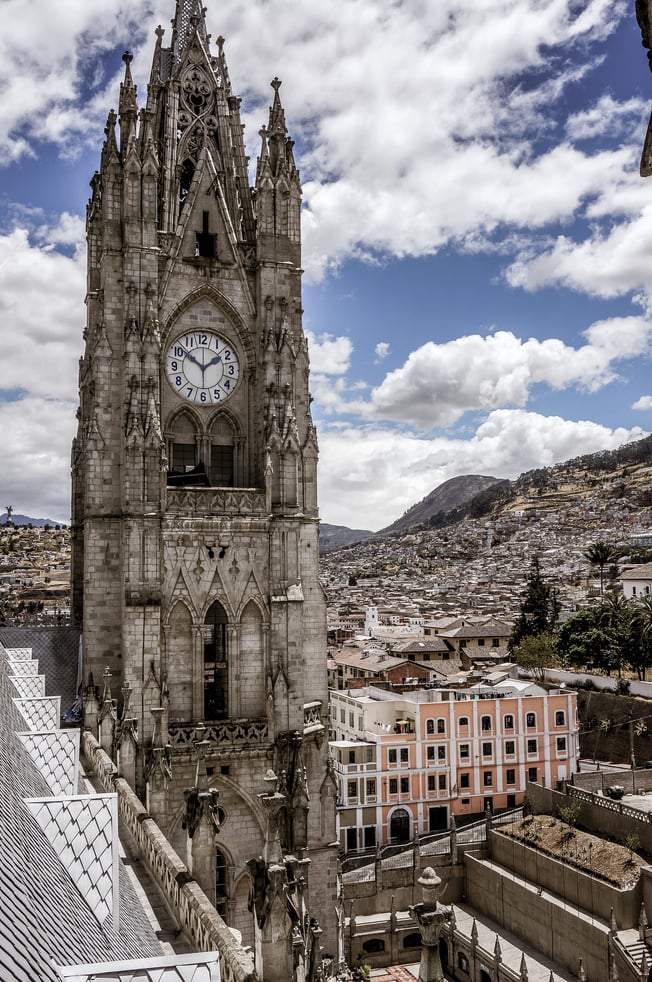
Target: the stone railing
pixel 230 733
pixel 192 908
pixel 216 501
pixel 610 804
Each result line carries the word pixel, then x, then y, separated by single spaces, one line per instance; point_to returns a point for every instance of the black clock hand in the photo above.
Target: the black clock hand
pixel 191 357
pixel 214 361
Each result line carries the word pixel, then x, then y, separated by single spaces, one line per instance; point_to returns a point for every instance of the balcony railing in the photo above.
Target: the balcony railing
pixel 224 733
pixel 216 501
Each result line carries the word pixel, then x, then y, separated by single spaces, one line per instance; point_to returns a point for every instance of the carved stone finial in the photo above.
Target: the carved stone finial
pixel 276 83
pixel 127 57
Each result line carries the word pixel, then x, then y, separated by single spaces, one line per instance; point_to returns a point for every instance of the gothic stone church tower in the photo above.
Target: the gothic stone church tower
pixel 195 525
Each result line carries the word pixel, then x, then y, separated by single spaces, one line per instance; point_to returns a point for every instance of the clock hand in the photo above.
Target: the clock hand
pixel 213 361
pixel 191 357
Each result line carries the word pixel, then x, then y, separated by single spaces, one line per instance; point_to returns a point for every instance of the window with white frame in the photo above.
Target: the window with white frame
pixel 532 746
pixel 560 718
pixel 508 722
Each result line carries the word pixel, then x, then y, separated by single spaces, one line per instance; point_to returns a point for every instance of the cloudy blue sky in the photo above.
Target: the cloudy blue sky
pixel 477 239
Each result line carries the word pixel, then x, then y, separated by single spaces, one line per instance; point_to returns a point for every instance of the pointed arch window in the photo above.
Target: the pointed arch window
pixel 221 884
pixel 183 453
pixel 221 469
pixel 216 671
pixel 185 180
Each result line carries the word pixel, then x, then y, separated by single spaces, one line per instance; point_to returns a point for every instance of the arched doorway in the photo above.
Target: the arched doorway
pixel 399 827
pixel 216 672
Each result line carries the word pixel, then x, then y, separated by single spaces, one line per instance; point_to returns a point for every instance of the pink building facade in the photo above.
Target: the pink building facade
pixel 406 763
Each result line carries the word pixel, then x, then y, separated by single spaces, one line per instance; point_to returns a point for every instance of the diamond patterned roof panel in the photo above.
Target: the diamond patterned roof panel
pixel 57 650
pixel 200 967
pixel 83 831
pixel 18 654
pixel 56 754
pixel 40 714
pixel 29 686
pixel 23 666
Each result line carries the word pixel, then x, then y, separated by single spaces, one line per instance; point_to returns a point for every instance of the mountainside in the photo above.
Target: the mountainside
pixel 475 557
pixel 445 498
pixel 336 536
pixel 26 520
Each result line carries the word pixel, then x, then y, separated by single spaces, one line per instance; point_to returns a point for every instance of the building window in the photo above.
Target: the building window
pixel 221 888
pixel 430 753
pixel 488 779
pixel 392 755
pixel 508 722
pixel 510 748
pixel 215 663
pixel 441 753
pixel 405 755
pixel 351 756
pixel 393 785
pixel 405 785
pixel 351 720
pixel 371 787
pixel 431 782
pixel 532 746
pixel 532 774
pixel 480 642
pixel 485 724
pixel 464 751
pixel 462 962
pixel 342 716
pixel 370 755
pixel 441 726
pixel 442 782
pixel 531 720
pixel 495 642
pixel 369 836
pixel 352 789
pixel 486 749
pixel 510 776
pixel 373 946
pixel 352 838
pixel 463 721
pixel 430 726
pixel 561 745
pixel 465 780
pixel 560 717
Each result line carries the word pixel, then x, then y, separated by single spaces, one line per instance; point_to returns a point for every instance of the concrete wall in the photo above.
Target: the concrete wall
pixel 572 886
pixel 537 919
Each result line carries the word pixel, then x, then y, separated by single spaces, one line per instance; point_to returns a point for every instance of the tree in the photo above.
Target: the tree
pixel 585 640
pixel 539 609
pixel 601 554
pixel 536 652
pixel 641 633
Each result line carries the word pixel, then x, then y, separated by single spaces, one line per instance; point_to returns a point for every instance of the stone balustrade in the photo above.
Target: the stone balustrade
pixel 195 913
pixel 229 733
pixel 189 502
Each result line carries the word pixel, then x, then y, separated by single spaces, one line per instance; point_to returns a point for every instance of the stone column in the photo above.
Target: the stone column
pixel 158 771
pixel 274 935
pixel 431 918
pixel 201 822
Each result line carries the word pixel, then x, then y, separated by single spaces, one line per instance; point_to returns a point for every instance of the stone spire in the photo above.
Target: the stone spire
pixel 190 16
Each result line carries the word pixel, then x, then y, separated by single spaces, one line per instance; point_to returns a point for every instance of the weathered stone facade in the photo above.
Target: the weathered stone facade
pixel 195 524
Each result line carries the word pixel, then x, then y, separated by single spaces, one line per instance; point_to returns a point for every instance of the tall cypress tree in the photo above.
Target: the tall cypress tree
pixel 539 608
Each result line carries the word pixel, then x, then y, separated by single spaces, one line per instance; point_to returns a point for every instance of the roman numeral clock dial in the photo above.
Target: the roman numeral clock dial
pixel 202 367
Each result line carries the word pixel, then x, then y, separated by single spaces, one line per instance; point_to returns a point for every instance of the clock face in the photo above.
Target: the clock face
pixel 202 367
